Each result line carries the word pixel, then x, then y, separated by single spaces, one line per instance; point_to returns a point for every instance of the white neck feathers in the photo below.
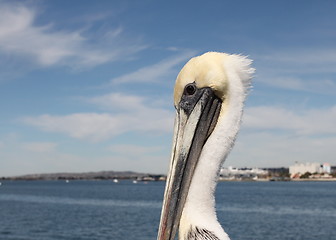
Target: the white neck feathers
pixel 199 209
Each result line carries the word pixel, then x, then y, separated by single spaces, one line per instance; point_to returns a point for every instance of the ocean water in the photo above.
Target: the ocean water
pixel 99 210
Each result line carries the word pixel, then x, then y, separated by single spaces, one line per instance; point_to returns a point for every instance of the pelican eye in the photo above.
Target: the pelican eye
pixel 190 89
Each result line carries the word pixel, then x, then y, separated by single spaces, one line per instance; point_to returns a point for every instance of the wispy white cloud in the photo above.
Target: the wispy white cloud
pixel 135 115
pixel 40 147
pixel 24 161
pixel 46 46
pixel 303 60
pixel 119 101
pixel 132 113
pixel 302 122
pixel 266 149
pixel 133 150
pixel 44 157
pixel 307 70
pixel 321 86
pixel 155 72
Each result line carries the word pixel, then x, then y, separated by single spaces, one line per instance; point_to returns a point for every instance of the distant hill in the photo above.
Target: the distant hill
pixel 102 175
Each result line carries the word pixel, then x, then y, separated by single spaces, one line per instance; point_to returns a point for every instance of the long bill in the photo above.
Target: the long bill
pixel 195 120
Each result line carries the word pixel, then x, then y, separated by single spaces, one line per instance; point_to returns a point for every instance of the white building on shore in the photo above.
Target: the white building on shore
pixel 302 168
pixel 233 172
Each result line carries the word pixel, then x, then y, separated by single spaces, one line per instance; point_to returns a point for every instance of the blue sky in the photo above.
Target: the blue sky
pixel 87 85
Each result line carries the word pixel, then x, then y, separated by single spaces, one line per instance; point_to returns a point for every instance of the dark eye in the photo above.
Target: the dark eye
pixel 190 89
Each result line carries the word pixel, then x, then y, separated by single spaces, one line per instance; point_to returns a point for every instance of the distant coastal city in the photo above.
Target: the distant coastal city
pixel 296 172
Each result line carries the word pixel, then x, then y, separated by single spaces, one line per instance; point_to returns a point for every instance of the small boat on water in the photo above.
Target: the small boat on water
pixel 115 180
pixel 135 181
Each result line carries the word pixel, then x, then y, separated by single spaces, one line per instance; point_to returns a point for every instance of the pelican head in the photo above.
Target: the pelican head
pixel 209 97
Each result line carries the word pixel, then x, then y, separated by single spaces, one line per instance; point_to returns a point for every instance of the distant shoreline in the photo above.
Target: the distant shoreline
pixel 160 179
pixel 102 175
pixel 314 180
pixel 135 176
pixel 286 180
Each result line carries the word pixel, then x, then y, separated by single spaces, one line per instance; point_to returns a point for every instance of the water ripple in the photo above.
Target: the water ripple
pixel 279 210
pixel 79 201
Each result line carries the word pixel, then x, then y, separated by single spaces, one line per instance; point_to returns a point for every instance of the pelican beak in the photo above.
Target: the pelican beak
pixel 196 117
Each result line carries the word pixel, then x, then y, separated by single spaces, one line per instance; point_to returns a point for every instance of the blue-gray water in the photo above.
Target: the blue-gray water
pixel 97 210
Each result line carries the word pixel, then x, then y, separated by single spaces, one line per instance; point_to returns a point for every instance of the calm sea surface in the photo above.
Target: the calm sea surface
pixel 45 210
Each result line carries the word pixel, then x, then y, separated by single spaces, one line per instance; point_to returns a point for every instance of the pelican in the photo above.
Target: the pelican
pixel 209 96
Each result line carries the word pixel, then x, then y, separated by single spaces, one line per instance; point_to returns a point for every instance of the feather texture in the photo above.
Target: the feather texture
pixel 229 77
